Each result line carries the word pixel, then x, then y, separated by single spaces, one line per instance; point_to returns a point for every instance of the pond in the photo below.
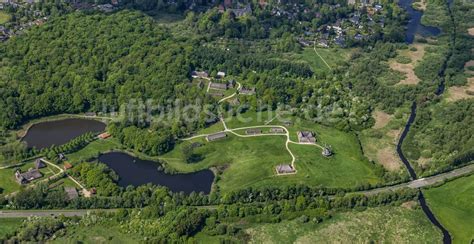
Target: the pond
pixel 414 25
pixel 136 172
pixel 58 132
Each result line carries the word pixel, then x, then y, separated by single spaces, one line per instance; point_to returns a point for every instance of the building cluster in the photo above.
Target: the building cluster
pixel 236 8
pixel 30 175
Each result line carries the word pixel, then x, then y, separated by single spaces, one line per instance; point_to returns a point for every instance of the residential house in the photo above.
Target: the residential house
pixel 218 86
pixel 28 176
pixel 285 169
pixel 306 137
pixel 220 74
pixel 67 166
pixel 216 136
pixel 104 136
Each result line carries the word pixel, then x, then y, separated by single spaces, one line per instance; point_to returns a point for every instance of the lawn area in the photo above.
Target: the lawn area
pixel 96 234
pixel 453 205
pixel 93 149
pixel 252 161
pixel 4 17
pixel 332 56
pixel 7 178
pixel 9 226
pixel 376 225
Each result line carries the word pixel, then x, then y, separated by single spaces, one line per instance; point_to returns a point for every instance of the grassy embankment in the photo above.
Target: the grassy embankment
pixel 9 226
pixel 379 225
pixel 453 205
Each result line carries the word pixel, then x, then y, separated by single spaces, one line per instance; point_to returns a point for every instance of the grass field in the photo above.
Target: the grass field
pixel 453 205
pixel 7 178
pixel 96 234
pixel 4 17
pixel 376 225
pixel 251 161
pixel 380 141
pixel 332 56
pixel 9 226
pixel 93 149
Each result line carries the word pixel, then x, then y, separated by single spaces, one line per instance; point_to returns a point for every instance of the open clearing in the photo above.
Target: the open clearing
pixel 9 226
pixel 4 17
pixel 251 161
pixel 453 205
pixel 456 93
pixel 377 225
pixel 379 142
pixel 97 234
pixel 471 31
pixel 331 56
pixel 409 68
pixel 467 65
pixel 381 119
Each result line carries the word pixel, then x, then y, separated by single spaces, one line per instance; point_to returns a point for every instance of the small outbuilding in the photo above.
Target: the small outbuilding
pixel 216 136
pixel 199 74
pixel 253 131
pixel 247 91
pixel 104 136
pixel 327 151
pixel 277 130
pixel 285 169
pixel 67 165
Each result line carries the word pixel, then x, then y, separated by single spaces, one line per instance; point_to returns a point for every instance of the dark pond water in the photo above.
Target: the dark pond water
pixel 414 26
pixel 59 132
pixel 134 171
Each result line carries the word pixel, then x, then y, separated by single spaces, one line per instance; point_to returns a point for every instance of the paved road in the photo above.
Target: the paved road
pixel 49 213
pixel 424 182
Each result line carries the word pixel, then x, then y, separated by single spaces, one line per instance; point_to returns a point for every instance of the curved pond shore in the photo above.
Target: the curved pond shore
pixel 414 25
pixel 136 172
pixel 58 132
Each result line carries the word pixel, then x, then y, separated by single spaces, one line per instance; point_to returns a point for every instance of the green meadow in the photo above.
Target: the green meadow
pixel 9 226
pixel 453 205
pixel 375 225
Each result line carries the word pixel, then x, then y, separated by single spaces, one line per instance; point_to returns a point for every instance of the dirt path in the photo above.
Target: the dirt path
pixel 231 96
pixel 314 48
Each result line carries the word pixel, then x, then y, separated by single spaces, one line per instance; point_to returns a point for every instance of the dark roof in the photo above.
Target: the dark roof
pixel 216 136
pixel 284 169
pixel 221 86
pixel 306 136
pixel 39 164
pixel 253 131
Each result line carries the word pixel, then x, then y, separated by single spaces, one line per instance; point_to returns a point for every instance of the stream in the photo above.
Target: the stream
pixel 414 24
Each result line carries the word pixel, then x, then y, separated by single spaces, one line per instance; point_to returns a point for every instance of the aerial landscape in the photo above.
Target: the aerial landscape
pixel 237 121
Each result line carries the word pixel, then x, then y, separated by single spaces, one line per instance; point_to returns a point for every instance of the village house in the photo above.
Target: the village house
pixel 216 136
pixel 28 176
pixel 277 130
pixel 218 86
pixel 285 169
pixel 216 94
pixel 247 91
pixel 253 131
pixel 199 74
pixel 71 193
pixel 306 137
pixel 241 11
